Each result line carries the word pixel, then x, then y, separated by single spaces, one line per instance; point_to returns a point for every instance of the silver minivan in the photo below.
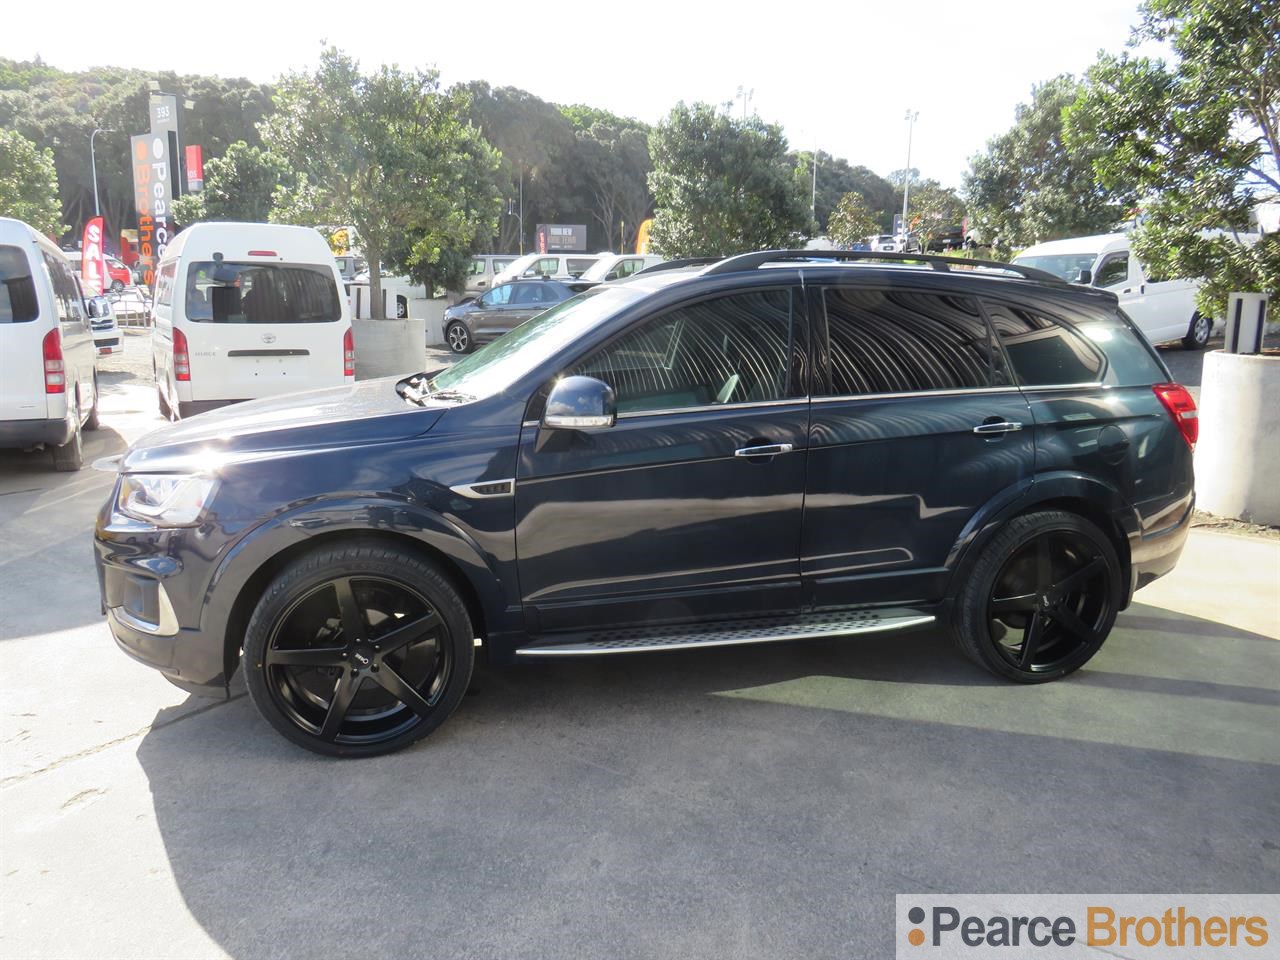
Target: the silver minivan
pixel 484 268
pixel 48 372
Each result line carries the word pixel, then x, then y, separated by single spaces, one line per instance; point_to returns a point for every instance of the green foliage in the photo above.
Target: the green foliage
pixel 851 222
pixel 611 156
pixel 238 186
pixel 390 154
pixel 837 177
pixel 722 185
pixel 932 210
pixel 1031 185
pixel 1199 137
pixel 29 184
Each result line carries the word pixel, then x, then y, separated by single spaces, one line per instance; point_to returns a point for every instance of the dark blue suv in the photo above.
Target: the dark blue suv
pixel 769 447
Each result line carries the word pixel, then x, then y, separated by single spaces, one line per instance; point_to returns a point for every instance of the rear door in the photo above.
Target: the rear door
pixel 917 429
pixel 22 331
pixel 256 328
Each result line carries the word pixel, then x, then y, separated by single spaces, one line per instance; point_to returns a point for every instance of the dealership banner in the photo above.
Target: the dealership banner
pixel 93 267
pixel 195 168
pixel 152 198
pixel 1168 926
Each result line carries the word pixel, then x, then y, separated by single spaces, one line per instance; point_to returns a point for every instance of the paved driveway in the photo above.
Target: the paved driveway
pixel 767 801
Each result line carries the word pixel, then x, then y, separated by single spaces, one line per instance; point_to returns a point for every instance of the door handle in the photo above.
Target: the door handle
pixel 1006 426
pixel 764 450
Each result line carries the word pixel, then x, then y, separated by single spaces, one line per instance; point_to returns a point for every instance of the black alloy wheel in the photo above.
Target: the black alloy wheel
pixel 354 653
pixel 1041 599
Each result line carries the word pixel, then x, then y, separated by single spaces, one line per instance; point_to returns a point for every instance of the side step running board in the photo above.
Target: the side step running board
pixel 729 634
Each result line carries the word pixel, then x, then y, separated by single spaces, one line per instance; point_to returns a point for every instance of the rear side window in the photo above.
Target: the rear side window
pixel 226 292
pixel 899 341
pixel 1042 351
pixel 731 349
pixel 65 293
pixel 578 266
pixel 18 302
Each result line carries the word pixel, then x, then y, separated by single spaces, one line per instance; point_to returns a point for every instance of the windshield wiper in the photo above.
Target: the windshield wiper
pixel 418 390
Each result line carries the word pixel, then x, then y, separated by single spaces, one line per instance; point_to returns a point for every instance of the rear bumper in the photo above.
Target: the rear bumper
pixel 29 433
pixel 1156 553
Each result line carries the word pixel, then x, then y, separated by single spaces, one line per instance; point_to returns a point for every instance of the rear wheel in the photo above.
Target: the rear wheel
pixel 1041 598
pixel 93 422
pixel 1198 333
pixel 458 337
pixel 69 457
pixel 358 650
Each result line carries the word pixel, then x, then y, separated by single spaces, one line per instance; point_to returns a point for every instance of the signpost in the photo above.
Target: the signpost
pixel 152 198
pixel 561 237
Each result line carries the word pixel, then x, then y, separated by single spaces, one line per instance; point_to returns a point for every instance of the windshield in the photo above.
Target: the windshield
pixel 223 292
pixel 496 366
pixel 1067 266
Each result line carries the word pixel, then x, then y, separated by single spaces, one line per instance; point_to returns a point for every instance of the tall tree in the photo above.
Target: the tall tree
pixel 1200 137
pixel 932 210
pixel 722 185
pixel 238 186
pixel 29 184
pixel 1030 185
pixel 387 153
pixel 837 177
pixel 851 222
pixel 611 159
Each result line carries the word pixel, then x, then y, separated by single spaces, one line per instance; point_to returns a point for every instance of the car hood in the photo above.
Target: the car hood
pixel 361 413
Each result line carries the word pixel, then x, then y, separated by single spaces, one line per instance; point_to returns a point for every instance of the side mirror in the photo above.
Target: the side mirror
pixel 1086 277
pixel 579 402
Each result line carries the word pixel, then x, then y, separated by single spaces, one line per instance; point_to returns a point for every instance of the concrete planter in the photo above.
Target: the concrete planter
pixel 1238 454
pixel 389 348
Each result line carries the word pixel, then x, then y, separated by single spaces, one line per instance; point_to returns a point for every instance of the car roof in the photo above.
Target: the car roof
pixel 1097 244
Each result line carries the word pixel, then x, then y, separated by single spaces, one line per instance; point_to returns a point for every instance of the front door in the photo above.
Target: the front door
pixel 918 429
pixel 689 507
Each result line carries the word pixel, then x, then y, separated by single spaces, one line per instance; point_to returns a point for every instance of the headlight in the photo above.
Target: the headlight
pixel 165 499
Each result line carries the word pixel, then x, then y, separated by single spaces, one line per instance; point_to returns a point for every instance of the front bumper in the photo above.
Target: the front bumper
pixel 29 433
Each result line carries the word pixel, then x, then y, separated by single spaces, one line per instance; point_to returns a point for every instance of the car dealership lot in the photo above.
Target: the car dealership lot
pixel 764 800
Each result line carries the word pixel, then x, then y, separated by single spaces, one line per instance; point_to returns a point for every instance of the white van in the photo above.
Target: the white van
pixel 557 266
pixel 619 266
pixel 48 377
pixel 1161 309
pixel 484 268
pixel 247 310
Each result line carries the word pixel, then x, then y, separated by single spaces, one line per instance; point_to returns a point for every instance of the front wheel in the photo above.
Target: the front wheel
pixel 1198 333
pixel 458 337
pixel 357 650
pixel 1041 598
pixel 117 286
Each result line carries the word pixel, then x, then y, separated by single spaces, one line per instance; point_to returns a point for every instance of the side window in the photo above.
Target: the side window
pixel 549 293
pixel 18 301
pixel 477 267
pixel 164 283
pixel 1114 270
pixel 578 266
pixel 526 293
pixel 64 290
pixel 732 349
pixel 498 296
pixel 899 341
pixel 1042 351
pixel 546 267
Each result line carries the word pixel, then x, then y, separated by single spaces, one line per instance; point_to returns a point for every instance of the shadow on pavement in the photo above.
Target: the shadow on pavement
pixel 763 800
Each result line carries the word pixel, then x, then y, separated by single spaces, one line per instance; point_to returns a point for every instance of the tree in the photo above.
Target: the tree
pixel 387 153
pixel 1199 137
pixel 1031 186
pixel 611 163
pixel 29 184
pixel 932 210
pixel 237 186
pixel 722 185
pixel 851 222
pixel 836 177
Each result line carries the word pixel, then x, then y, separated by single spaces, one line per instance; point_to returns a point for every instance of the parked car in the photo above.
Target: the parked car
pixel 618 266
pixel 118 274
pixel 702 456
pixel 247 310
pixel 401 297
pixel 886 243
pixel 556 266
pixel 48 372
pixel 503 308
pixel 484 270
pixel 350 266
pixel 102 322
pixel 1163 309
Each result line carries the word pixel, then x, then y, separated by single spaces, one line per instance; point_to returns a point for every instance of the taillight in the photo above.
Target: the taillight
pixel 348 354
pixel 55 376
pixel 181 356
pixel 1182 407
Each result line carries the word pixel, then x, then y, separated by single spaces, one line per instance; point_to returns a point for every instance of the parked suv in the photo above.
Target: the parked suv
pixel 501 309
pixel 702 456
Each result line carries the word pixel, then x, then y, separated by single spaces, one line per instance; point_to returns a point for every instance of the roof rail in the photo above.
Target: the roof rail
pixel 752 261
pixel 677 264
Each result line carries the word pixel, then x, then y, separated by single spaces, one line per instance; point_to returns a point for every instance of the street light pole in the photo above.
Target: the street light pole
pixel 906 175
pixel 93 163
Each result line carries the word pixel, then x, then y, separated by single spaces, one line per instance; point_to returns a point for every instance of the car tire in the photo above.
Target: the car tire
pixel 1050 574
pixel 93 422
pixel 117 286
pixel 69 457
pixel 163 404
pixel 1199 332
pixel 458 337
pixel 316 657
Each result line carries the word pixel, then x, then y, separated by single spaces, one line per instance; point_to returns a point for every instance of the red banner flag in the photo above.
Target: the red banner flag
pixel 93 267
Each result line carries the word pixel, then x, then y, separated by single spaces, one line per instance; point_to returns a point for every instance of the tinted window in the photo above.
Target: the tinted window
pixel 526 293
pixel 897 341
pixel 1115 269
pixel 498 296
pixel 730 349
pixel 261 293
pixel 1043 352
pixel 578 266
pixel 65 294
pixel 18 303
